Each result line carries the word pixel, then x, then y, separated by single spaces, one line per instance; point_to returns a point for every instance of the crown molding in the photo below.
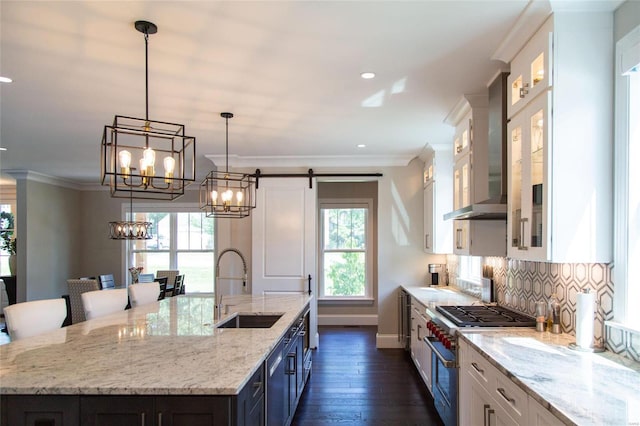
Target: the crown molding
pixel 32 176
pixel 312 161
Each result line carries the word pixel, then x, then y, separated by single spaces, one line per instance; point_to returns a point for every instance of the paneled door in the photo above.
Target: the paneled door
pixel 284 248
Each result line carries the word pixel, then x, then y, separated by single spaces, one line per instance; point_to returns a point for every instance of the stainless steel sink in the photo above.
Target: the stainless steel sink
pixel 250 321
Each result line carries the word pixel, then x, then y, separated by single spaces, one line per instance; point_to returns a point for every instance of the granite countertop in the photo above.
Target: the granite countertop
pixel 167 348
pixel 433 296
pixel 579 388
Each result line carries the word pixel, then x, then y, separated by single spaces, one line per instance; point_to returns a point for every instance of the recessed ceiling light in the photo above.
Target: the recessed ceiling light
pixel 367 75
pixel 361 145
pixel 5 80
pixel 2 148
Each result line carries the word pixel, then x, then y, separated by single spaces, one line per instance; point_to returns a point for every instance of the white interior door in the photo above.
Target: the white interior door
pixel 284 241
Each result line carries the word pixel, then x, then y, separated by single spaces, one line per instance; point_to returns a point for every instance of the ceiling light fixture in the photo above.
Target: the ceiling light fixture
pixel 226 194
pixel 135 139
pixel 361 145
pixel 130 229
pixel 367 75
pixel 5 80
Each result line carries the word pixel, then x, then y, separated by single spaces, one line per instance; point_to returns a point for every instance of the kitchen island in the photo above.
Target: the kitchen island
pixel 169 348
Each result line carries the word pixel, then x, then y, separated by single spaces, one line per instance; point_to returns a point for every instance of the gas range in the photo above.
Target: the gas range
pixel 485 316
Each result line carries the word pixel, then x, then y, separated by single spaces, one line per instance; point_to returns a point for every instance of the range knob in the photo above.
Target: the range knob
pixel 447 343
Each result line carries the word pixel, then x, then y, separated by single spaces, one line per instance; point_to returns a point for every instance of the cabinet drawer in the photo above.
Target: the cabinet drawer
pixel 511 397
pixel 255 387
pixel 481 370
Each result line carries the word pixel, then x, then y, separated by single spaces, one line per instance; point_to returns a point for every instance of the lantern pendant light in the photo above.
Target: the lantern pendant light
pixel 227 194
pixel 131 141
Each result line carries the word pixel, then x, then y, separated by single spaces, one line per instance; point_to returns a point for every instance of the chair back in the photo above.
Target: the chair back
pixel 171 275
pixel 143 293
pixel 163 287
pixel 178 287
pixel 107 281
pixel 75 290
pixel 100 303
pixel 146 278
pixel 28 319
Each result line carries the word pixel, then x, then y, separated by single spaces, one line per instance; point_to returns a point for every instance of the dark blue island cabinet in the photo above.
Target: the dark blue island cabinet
pixel 244 409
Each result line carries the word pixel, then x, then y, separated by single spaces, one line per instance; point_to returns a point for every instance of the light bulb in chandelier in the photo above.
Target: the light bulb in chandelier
pixel 125 162
pixel 169 166
pixel 149 156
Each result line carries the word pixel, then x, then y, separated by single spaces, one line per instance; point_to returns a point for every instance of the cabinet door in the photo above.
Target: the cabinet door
pixel 429 239
pixel 530 70
pixel 528 153
pixel 462 141
pixel 462 183
pixel 540 416
pixel 49 410
pixel 461 237
pixel 193 410
pixel 117 410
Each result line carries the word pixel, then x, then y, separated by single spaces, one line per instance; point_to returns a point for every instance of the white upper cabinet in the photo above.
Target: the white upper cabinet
pixel 559 141
pixel 438 201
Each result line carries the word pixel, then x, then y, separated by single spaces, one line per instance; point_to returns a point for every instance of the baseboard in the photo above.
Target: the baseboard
pixel 332 319
pixel 388 341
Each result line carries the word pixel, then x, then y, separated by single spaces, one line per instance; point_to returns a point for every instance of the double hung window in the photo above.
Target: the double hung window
pixel 182 240
pixel 345 250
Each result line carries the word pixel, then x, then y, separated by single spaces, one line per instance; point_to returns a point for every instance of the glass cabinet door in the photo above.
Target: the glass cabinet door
pixel 527 156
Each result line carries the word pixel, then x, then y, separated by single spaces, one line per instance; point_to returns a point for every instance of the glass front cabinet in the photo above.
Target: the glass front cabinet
pixel 527 151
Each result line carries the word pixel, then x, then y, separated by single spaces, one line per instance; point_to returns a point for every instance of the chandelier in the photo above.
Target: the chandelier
pixel 129 140
pixel 226 194
pixel 130 229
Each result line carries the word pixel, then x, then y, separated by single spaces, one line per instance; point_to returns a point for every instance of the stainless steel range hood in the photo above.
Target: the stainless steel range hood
pixel 495 206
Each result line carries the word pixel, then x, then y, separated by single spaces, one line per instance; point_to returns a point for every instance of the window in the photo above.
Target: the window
pixel 10 233
pixel 345 250
pixel 182 241
pixel 627 181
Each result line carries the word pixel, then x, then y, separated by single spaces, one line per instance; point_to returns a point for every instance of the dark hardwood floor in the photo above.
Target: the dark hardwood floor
pixel 353 383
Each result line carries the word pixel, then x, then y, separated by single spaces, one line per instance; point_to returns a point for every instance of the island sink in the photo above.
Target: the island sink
pixel 250 321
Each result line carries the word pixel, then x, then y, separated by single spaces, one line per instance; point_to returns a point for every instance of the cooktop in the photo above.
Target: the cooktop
pixel 485 316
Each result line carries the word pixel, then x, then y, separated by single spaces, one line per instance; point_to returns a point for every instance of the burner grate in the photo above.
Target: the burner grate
pixel 485 316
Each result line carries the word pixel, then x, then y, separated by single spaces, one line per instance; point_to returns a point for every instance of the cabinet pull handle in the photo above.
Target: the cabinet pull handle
pixel 426 241
pixel 489 413
pixel 142 419
pixel 419 338
pixel 478 369
pixel 522 239
pixel 160 419
pixel 484 417
pixel 458 149
pixel 459 238
pixel 503 394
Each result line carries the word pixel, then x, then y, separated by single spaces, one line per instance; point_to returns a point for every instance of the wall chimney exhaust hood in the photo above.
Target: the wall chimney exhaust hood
pixel 493 207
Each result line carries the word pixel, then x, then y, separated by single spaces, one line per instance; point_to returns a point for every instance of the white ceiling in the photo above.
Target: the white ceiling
pixel 288 70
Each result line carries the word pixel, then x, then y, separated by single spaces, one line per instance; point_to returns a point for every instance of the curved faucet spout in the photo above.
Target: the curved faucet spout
pixel 218 277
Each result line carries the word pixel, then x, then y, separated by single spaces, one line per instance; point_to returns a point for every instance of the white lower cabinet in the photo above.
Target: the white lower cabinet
pixel 420 352
pixel 487 397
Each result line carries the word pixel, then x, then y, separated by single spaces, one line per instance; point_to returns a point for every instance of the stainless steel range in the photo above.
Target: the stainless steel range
pixel 442 340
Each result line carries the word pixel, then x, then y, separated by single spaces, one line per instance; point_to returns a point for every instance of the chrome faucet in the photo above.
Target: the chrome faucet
pixel 218 297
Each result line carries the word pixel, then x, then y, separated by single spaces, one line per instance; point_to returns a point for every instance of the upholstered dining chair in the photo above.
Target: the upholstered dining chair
pixel 100 303
pixel 163 287
pixel 171 275
pixel 28 319
pixel 146 278
pixel 178 287
pixel 143 293
pixel 75 289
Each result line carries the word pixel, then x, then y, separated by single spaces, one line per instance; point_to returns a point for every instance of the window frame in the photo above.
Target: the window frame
pixel 174 209
pixel 627 290
pixel 337 203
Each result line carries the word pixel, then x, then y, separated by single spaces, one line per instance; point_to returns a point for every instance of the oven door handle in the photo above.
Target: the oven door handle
pixel 446 362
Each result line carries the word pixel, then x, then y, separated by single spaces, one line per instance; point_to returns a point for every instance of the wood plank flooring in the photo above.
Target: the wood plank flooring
pixel 353 383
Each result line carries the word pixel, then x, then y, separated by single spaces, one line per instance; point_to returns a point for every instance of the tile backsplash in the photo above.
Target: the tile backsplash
pixel 519 284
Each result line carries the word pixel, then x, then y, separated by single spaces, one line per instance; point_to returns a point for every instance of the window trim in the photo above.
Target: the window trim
pixel 329 203
pixel 622 308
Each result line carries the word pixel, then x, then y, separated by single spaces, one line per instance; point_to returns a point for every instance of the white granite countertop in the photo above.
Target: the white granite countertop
pixel 433 296
pixel 167 348
pixel 579 388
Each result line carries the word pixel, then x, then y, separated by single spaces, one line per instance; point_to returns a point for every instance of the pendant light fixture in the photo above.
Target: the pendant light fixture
pixel 131 140
pixel 130 229
pixel 226 194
